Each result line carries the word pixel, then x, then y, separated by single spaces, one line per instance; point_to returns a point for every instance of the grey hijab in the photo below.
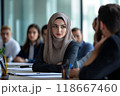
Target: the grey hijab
pixel 54 48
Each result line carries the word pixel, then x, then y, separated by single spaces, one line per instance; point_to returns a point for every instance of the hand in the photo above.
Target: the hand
pixel 19 59
pixel 95 51
pixel 74 73
pixel 59 63
pixel 98 44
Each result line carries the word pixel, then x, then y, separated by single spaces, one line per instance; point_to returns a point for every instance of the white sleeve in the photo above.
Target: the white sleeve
pixel 15 50
pixel 84 59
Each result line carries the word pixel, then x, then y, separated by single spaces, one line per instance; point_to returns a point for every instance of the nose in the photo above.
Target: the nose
pixel 75 38
pixel 59 29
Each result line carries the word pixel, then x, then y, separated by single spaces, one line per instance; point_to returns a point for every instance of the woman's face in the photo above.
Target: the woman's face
pixel 33 34
pixel 59 28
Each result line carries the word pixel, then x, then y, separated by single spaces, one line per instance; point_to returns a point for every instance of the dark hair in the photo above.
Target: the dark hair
pixel 75 29
pixel 27 42
pixel 110 16
pixel 43 28
pixel 95 22
pixel 59 18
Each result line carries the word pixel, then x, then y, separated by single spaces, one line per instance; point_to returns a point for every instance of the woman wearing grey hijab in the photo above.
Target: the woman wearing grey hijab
pixel 59 46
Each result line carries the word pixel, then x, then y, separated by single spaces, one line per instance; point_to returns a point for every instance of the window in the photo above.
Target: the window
pixel 90 11
pixel 19 14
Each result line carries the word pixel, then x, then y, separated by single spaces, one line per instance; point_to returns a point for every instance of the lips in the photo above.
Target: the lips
pixel 59 34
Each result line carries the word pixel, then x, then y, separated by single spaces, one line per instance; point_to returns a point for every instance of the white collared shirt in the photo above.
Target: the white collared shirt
pixel 12 48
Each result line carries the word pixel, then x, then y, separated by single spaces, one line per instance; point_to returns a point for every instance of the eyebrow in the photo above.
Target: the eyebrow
pixel 57 24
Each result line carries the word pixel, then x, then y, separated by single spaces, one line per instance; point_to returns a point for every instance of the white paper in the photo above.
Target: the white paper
pixel 18 64
pixel 54 76
pixel 39 75
pixel 20 69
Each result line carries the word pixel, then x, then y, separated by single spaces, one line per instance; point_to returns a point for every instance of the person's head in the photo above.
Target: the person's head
pixel 33 36
pixel 44 32
pixel 77 34
pixel 108 21
pixel 58 37
pixel 59 26
pixel 33 33
pixel 6 33
pixel 94 23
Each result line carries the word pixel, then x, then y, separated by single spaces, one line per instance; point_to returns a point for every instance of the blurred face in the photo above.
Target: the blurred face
pixel 33 34
pixel 97 25
pixel 6 35
pixel 94 24
pixel 44 34
pixel 98 31
pixel 78 36
pixel 59 28
pixel 101 30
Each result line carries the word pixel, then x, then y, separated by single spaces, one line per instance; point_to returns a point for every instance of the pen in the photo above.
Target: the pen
pixel 69 66
pixel 5 63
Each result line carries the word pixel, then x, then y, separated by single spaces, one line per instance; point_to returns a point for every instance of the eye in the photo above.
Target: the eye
pixel 63 26
pixel 54 26
pixel 29 32
pixel 34 32
pixel 7 34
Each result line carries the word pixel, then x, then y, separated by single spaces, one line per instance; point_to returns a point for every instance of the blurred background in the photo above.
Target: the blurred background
pixel 19 14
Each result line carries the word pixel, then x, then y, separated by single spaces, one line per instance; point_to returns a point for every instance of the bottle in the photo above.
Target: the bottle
pixel 66 70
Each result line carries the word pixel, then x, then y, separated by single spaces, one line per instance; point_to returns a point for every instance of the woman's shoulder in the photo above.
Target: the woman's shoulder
pixel 73 45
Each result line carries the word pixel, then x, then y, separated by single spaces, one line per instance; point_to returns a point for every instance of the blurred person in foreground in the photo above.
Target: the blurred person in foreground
pixel 104 62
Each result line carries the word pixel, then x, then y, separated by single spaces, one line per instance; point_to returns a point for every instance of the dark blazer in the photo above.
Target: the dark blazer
pixel 107 63
pixel 70 54
pixel 84 48
pixel 25 55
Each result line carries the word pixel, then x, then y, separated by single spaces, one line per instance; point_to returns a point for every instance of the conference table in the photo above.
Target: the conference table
pixel 23 71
